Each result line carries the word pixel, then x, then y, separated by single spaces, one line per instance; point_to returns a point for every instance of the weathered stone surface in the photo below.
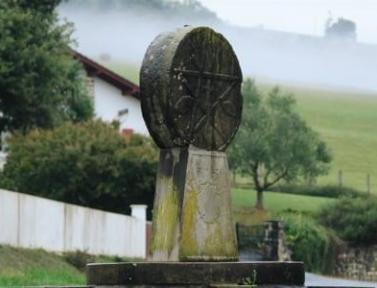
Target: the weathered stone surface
pixel 359 263
pixel 192 219
pixel 208 232
pixel 200 274
pixel 167 208
pixel 67 286
pixel 190 85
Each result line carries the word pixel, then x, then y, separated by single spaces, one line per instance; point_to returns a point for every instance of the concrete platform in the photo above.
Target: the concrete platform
pixel 196 274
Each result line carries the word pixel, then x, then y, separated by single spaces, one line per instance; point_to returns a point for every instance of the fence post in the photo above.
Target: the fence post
pixel 368 183
pixel 271 239
pixel 340 178
pixel 238 233
pixel 139 211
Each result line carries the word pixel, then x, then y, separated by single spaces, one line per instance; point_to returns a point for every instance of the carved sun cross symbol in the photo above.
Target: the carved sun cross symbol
pixel 202 107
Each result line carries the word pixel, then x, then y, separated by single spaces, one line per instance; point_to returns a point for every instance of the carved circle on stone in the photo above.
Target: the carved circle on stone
pixel 190 84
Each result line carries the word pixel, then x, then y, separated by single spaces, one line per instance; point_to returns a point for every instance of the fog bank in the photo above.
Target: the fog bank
pixel 278 56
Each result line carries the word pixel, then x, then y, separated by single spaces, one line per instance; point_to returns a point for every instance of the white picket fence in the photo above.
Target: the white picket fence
pixel 33 222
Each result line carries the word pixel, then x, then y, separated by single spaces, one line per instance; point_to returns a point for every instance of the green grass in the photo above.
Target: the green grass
pixel 346 120
pixel 278 202
pixel 27 267
pixel 21 267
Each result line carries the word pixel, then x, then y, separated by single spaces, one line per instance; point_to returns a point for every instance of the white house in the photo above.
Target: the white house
pixel 115 98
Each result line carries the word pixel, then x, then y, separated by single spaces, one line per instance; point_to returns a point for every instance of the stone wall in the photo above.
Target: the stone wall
pixel 358 263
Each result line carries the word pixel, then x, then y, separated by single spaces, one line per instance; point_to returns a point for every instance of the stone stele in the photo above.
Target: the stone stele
pixel 190 86
pixel 191 101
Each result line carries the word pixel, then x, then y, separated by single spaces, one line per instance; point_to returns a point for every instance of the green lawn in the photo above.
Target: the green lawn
pixel 277 202
pixel 347 121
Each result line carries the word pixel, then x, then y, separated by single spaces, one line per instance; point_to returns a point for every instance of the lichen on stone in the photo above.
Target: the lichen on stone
pixel 166 218
pixel 188 241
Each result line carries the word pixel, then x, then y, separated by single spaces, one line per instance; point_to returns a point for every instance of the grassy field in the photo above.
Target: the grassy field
pixel 21 267
pixel 278 202
pixel 243 201
pixel 346 120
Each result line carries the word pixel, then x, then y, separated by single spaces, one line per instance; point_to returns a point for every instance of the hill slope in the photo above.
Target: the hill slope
pixel 347 121
pixel 125 28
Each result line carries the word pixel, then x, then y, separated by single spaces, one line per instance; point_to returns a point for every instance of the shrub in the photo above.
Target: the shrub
pixel 41 85
pixel 310 242
pixel 80 259
pixel 353 219
pixel 88 164
pixel 332 191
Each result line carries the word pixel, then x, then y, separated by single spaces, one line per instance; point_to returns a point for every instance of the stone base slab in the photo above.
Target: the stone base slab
pixel 196 274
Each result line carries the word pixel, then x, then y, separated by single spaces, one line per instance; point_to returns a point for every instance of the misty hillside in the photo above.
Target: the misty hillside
pixel 306 60
pixel 123 29
pixel 169 9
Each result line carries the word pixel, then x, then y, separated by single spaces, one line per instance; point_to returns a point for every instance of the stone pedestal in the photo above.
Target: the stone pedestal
pixel 197 274
pixel 208 232
pixel 190 87
pixel 192 218
pixel 168 201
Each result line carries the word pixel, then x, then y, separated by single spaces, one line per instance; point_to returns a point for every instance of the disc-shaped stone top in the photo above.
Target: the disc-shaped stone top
pixel 190 84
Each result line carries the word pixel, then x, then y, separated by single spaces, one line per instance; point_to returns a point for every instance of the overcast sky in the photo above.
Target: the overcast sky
pixel 302 16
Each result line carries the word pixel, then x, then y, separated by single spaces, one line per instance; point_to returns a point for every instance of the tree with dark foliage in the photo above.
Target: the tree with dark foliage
pixel 40 84
pixel 341 29
pixel 87 163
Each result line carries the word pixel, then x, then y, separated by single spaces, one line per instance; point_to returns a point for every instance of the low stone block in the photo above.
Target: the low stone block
pixel 196 274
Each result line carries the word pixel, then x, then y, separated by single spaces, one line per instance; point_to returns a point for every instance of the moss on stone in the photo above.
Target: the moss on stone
pixel 166 218
pixel 214 244
pixel 188 241
pixel 220 243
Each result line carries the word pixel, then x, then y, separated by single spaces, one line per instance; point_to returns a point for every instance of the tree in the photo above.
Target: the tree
pixel 274 143
pixel 40 83
pixel 341 29
pixel 87 163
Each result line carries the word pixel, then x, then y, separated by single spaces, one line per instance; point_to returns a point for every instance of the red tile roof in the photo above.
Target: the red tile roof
pixel 95 69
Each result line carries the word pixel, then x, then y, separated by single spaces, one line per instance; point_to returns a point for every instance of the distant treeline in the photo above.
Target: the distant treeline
pixel 168 8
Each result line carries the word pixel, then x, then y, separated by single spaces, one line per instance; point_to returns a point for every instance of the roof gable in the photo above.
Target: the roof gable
pixel 95 69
